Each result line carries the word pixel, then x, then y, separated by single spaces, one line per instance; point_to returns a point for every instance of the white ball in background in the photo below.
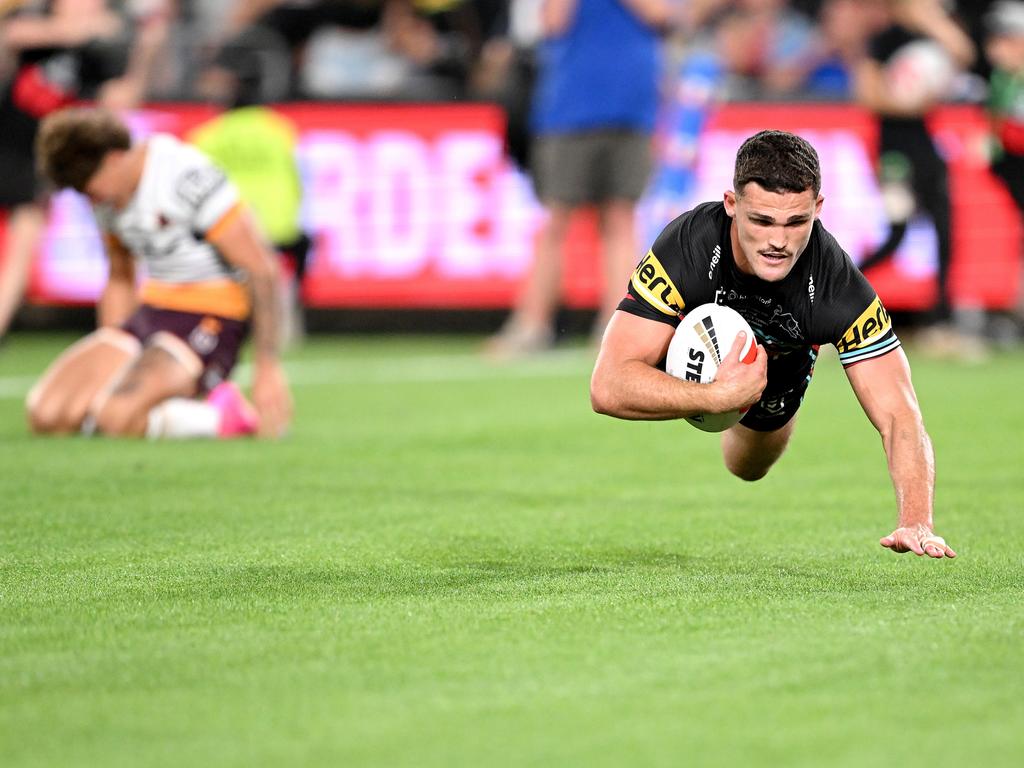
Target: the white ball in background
pixel 920 73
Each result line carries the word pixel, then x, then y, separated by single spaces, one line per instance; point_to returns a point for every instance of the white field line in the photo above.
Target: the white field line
pixel 419 369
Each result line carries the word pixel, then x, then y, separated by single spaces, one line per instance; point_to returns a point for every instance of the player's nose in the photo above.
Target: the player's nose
pixel 777 239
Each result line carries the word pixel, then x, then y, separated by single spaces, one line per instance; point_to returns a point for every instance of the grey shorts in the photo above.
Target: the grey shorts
pixel 591 167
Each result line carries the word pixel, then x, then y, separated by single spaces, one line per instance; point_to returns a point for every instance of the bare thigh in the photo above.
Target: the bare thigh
pixel 166 368
pixel 749 454
pixel 60 399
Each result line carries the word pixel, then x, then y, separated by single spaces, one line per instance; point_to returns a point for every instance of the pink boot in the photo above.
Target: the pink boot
pixel 237 416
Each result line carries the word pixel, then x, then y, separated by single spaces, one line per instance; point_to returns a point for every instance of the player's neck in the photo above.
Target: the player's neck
pixel 134 166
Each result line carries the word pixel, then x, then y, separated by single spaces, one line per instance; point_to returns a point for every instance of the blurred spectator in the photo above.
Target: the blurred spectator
pixel 761 47
pixel 425 49
pixel 909 69
pixel 594 113
pixel 444 39
pixel 1004 49
pixel 784 41
pixel 844 29
pixel 337 42
pixel 505 71
pixel 61 51
pixel 256 147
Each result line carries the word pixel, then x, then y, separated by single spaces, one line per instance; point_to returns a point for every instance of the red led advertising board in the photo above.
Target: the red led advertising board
pixel 416 206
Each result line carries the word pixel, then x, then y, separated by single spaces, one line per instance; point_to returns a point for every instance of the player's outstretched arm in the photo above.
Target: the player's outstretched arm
pixel 240 243
pixel 884 389
pixel 627 384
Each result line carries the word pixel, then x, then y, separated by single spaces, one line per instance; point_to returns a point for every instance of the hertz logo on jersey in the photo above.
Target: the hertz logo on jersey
pixel 652 284
pixel 874 321
pixel 871 335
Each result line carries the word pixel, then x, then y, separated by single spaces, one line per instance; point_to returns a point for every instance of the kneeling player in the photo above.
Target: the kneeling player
pixel 174 339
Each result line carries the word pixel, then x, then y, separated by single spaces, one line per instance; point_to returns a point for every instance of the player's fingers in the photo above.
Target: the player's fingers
pixel 936 547
pixel 887 541
pixel 270 420
pixel 737 346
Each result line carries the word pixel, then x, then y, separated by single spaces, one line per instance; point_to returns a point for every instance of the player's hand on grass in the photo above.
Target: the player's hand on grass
pixel 737 384
pixel 272 398
pixel 918 539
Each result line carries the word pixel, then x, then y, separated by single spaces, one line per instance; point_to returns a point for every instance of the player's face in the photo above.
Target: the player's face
pixel 108 186
pixel 770 229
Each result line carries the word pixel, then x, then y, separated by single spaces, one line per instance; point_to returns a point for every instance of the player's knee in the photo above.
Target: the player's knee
pixel 45 417
pixel 117 419
pixel 748 472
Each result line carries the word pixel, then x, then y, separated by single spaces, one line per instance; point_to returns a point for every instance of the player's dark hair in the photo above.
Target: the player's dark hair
pixel 72 143
pixel 778 161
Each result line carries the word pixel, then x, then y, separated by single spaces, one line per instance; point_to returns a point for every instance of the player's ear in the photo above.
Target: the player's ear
pixel 730 203
pixel 817 205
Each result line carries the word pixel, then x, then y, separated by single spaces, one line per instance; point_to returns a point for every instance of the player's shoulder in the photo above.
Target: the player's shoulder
pixel 703 219
pixel 847 311
pixel 186 177
pixel 830 262
pixel 696 231
pixel 675 271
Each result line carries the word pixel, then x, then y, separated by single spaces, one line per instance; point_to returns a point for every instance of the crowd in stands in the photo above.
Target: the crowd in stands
pixel 123 52
pixel 466 49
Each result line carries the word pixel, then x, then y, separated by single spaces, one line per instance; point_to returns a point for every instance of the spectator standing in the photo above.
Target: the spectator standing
pixel 902 105
pixel 593 118
pixel 63 50
pixel 1004 50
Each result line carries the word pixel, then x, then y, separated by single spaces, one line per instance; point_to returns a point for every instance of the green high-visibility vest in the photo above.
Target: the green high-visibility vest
pixel 255 147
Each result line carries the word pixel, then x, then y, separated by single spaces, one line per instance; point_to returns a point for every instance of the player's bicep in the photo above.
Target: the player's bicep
pixel 869 336
pixel 237 239
pixel 652 291
pixel 632 338
pixel 883 388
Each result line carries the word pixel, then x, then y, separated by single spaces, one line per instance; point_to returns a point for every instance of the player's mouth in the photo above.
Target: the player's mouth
pixel 774 257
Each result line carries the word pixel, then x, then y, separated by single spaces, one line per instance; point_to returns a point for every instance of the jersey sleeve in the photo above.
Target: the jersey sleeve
pixel 654 290
pixel 203 191
pixel 859 325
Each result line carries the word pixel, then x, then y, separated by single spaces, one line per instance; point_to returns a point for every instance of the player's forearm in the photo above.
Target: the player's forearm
pixel 636 391
pixel 116 304
pixel 943 30
pixel 146 49
pixel 912 468
pixel 266 304
pixel 27 33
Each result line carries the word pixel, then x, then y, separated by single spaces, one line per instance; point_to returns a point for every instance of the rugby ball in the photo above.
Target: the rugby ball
pixel 701 341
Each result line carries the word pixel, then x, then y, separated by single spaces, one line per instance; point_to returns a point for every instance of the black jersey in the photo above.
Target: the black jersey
pixel 823 300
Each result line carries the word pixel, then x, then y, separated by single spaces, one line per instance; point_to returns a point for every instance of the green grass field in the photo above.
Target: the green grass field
pixel 450 563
